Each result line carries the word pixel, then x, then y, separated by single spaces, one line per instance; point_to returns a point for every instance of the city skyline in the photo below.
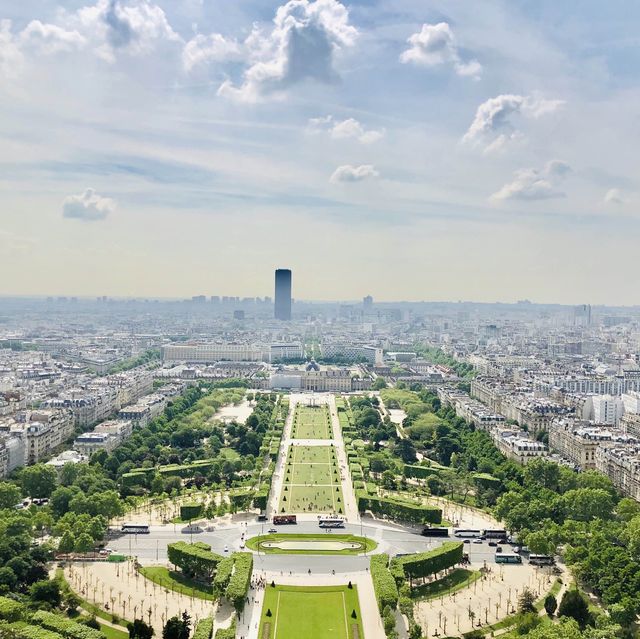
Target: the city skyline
pixel 418 147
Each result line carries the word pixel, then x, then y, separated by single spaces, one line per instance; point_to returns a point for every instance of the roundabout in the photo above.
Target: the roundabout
pixel 312 544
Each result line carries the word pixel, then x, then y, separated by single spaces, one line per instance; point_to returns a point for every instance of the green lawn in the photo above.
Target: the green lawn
pixel 312 422
pixel 366 544
pixel 322 612
pixel 176 581
pixel 113 633
pixel 456 580
pixel 312 481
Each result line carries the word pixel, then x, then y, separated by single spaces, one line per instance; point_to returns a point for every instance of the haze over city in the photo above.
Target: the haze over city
pixel 413 150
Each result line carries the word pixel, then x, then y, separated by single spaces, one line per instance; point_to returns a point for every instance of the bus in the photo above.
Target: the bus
pixel 508 558
pixel 494 533
pixel 284 519
pixel 541 560
pixel 327 521
pixel 435 532
pixel 468 533
pixel 135 529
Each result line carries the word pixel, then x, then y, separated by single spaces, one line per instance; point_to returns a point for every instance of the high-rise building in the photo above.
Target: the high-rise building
pixel 283 294
pixel 367 303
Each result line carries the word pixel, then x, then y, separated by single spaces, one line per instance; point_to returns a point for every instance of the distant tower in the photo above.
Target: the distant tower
pixel 367 303
pixel 283 294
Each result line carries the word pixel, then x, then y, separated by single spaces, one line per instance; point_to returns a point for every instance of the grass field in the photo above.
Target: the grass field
pixel 312 481
pixel 323 612
pixel 456 580
pixel 312 422
pixel 365 544
pixel 177 582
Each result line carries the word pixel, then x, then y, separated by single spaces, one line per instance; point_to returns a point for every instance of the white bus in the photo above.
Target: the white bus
pixel 135 529
pixel 467 533
pixel 327 521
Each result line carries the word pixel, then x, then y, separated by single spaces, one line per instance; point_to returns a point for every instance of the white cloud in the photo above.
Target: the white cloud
pixel 435 45
pixel 203 49
pixel 350 173
pixel 50 38
pixel 344 129
pixel 535 184
pixel 492 126
pixel 301 45
pixel 136 27
pixel 88 206
pixel 613 196
pixel 11 58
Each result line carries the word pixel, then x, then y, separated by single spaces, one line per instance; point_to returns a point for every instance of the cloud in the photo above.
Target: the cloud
pixel 492 127
pixel 435 45
pixel 136 27
pixel 350 173
pixel 88 206
pixel 201 50
pixel 301 45
pixel 535 184
pixel 11 58
pixel 50 38
pixel 613 196
pixel 344 129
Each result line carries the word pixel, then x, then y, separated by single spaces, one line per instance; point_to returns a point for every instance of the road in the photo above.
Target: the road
pixel 152 548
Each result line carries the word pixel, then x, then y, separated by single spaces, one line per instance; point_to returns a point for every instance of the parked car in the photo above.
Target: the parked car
pixel 477 541
pixel 272 530
pixel 493 543
pixel 226 548
pixel 499 549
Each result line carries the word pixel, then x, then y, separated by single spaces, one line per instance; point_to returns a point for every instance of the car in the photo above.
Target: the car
pixel 272 530
pixel 516 549
pixel 493 543
pixel 241 545
pixel 467 541
pixel 226 548
pixel 477 541
pixel 499 549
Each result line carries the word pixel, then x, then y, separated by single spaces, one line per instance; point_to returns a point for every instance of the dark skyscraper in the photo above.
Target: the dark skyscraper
pixel 283 294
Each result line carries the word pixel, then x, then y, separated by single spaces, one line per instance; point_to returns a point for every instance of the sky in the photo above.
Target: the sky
pixel 407 149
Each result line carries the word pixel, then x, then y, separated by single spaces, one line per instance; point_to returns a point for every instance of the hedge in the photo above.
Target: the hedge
pixel 11 610
pixel 428 563
pixel 65 627
pixel 204 629
pixel 190 511
pixel 227 633
pixel 399 510
pixel 22 630
pixel 223 574
pixel 420 472
pixel 240 580
pixel 261 497
pixel 384 584
pixel 195 560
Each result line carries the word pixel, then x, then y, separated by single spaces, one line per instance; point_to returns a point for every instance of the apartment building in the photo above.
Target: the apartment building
pixel 621 463
pixel 578 441
pixel 352 352
pixel 214 352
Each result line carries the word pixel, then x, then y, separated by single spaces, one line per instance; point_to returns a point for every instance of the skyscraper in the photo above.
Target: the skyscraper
pixel 283 294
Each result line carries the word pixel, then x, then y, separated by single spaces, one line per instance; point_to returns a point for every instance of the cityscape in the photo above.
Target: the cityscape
pixel 317 319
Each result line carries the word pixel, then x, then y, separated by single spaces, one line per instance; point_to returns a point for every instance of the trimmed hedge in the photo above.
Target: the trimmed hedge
pixel 65 627
pixel 195 560
pixel 240 580
pixel 420 472
pixel 11 610
pixel 227 633
pixel 384 584
pixel 399 510
pixel 24 631
pixel 223 574
pixel 190 511
pixel 428 563
pixel 204 629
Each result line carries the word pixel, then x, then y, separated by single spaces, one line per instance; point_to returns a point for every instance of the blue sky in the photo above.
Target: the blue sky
pixel 403 148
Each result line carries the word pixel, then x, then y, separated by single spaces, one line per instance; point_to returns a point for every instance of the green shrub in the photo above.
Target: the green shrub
pixel 190 511
pixel 195 560
pixel 227 633
pixel 204 629
pixel 384 584
pixel 11 610
pixel 428 563
pixel 399 510
pixel 240 579
pixel 65 627
pixel 223 574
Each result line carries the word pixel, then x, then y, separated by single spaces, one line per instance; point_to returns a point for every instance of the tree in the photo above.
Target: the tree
pixel 84 543
pixel 526 602
pixel 46 591
pixel 9 495
pixel 379 383
pixel 627 508
pixel 140 630
pixel 575 605
pixel 72 601
pixel 388 480
pixel 38 481
pixel 586 504
pixel 67 543
pixel 177 627
pixel 405 449
pixel 8 579
pixel 550 604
